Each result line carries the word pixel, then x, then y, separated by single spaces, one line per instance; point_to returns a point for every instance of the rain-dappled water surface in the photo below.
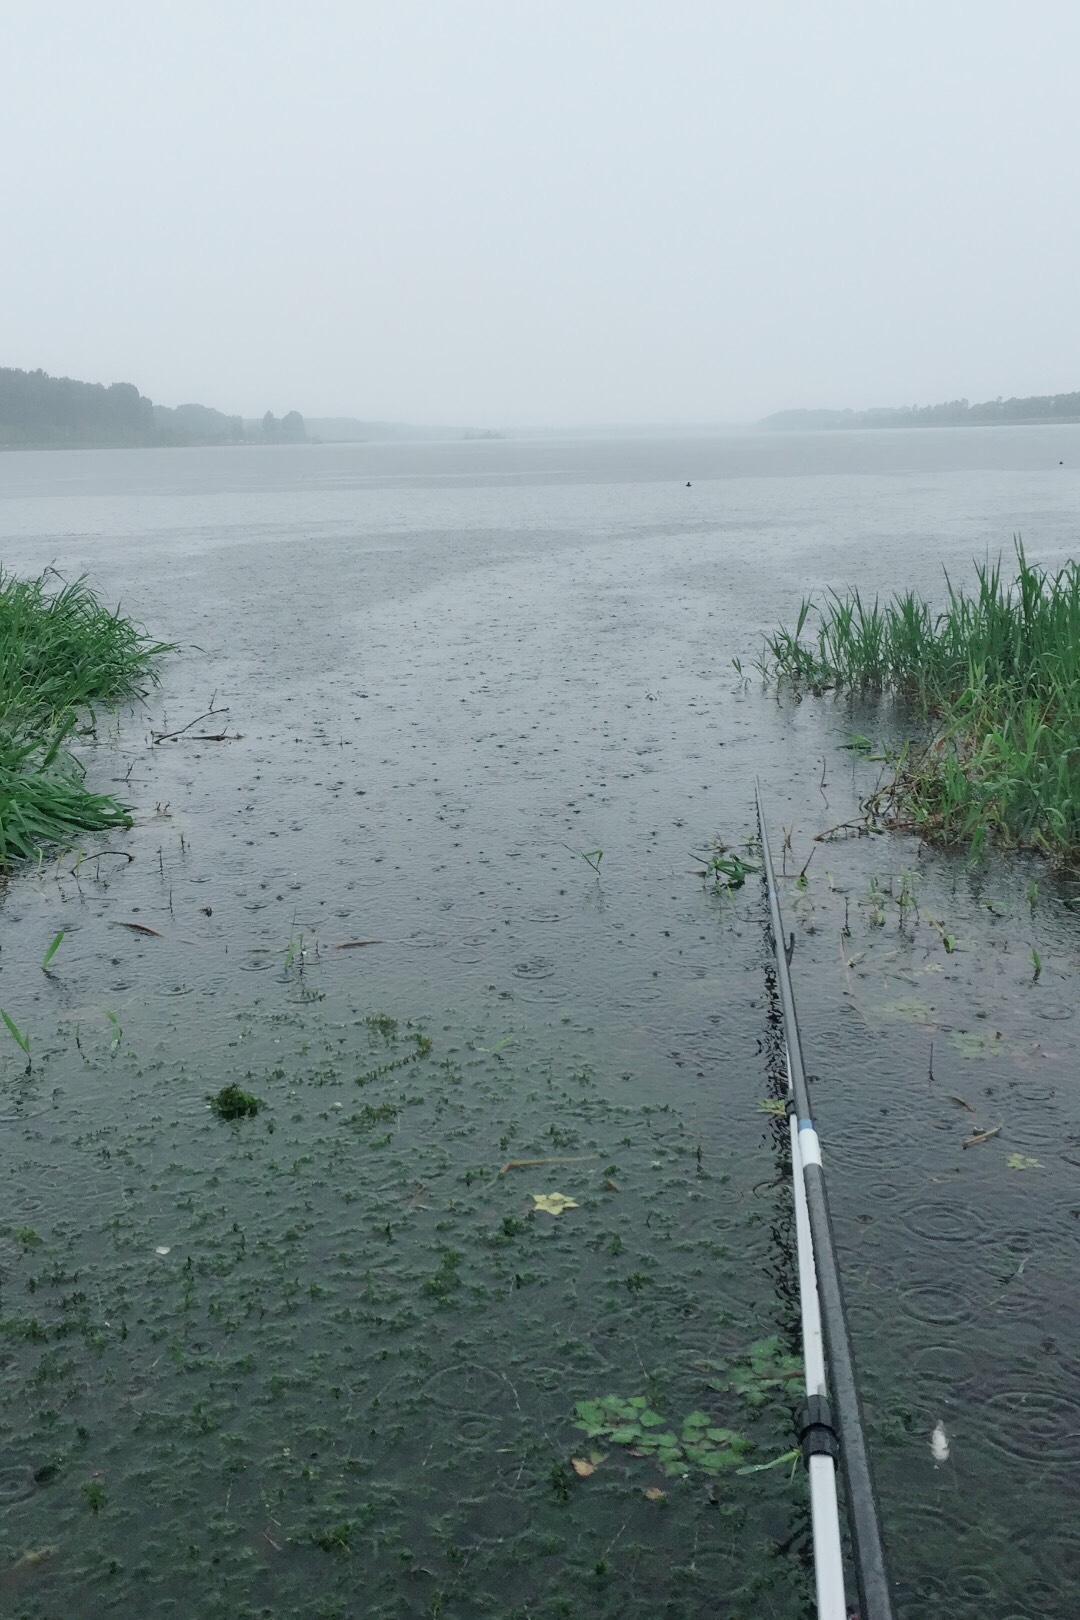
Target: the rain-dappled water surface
pixel 326 1360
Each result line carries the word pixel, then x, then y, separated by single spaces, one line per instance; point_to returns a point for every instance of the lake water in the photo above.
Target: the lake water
pixel 326 1361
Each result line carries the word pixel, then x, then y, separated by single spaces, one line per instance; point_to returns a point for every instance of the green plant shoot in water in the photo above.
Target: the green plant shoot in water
pixel 21 1040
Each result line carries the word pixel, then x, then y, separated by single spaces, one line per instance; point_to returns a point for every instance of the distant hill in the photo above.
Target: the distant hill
pixel 196 424
pixel 955 413
pixel 40 412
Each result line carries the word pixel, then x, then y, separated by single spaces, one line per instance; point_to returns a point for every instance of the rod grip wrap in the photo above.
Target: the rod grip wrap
pixel 817 1437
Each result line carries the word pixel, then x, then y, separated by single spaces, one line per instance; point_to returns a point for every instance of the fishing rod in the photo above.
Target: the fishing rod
pixel 833 1422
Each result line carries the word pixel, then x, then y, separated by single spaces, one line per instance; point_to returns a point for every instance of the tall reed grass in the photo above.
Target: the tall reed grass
pixel 62 656
pixel 993 682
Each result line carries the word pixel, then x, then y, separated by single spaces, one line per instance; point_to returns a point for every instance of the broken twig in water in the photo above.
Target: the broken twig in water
pixel 981 1136
pixel 859 828
pixel 354 944
pixel 167 736
pixel 527 1164
pixel 140 928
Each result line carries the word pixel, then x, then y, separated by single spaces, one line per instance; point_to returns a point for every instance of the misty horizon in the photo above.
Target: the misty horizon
pixel 515 219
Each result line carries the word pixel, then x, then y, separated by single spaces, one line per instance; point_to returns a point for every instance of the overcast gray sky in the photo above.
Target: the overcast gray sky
pixel 509 212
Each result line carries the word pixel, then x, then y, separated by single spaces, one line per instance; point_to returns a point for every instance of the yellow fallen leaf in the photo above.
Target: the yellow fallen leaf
pixel 582 1468
pixel 32 1556
pixel 553 1203
pixel 654 1493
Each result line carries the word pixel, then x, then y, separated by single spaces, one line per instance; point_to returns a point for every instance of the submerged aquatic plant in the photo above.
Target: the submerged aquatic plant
pixel 763 1371
pixel 993 681
pixel 698 1442
pixel 233 1102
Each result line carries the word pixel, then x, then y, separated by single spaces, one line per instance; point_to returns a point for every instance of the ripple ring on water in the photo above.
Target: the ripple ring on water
pixel 948 1364
pixel 534 967
pixel 15 1484
pixel 946 1220
pixel 1035 1425
pixel 937 1306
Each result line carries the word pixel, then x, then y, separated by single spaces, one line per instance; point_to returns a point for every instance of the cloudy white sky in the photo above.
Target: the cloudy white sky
pixel 507 212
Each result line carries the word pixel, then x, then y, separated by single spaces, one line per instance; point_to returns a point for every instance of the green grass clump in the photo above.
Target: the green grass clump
pixel 62 655
pixel 993 680
pixel 233 1102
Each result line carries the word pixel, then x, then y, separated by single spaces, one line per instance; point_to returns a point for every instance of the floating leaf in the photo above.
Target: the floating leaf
pixel 772 1105
pixel 714 1461
pixel 590 1413
pixel 907 1007
pixel 970 1045
pixel 1021 1161
pixel 582 1468
pixel 653 1493
pixel 553 1203
pixel 633 1424
pixel 762 1371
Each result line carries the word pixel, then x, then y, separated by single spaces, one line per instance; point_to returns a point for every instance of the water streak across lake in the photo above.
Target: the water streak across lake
pixel 454 670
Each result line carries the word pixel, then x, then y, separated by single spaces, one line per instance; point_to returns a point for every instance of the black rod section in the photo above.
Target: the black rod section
pixel 875 1599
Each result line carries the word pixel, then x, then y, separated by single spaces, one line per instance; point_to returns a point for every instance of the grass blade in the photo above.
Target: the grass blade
pixel 16 1033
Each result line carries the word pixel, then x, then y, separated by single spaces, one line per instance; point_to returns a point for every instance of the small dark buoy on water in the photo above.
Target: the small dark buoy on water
pixel 688 483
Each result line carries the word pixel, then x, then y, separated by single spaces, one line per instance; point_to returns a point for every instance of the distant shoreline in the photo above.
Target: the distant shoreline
pixel 907 427
pixel 749 430
pixel 1031 410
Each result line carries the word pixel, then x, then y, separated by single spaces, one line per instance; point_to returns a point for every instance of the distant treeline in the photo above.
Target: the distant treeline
pixel 39 411
pixel 954 413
